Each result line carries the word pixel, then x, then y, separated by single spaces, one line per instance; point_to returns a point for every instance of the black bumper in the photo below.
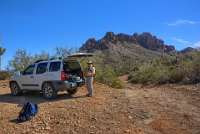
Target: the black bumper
pixel 65 85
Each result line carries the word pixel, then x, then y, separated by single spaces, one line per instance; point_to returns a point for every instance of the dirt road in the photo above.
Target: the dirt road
pixel 168 109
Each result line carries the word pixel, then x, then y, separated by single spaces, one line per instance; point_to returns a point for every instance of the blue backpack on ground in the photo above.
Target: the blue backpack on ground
pixel 28 111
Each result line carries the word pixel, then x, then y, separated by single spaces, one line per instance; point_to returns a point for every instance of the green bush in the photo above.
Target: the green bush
pixel 107 76
pixel 150 73
pixel 5 75
pixel 176 75
pixel 191 68
pixel 185 69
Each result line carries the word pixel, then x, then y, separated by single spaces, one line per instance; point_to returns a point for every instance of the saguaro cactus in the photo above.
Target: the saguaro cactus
pixel 2 51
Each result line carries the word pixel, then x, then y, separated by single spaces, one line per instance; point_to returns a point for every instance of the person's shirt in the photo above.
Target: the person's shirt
pixel 90 71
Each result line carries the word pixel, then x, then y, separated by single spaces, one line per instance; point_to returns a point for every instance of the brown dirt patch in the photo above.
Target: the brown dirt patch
pixel 164 109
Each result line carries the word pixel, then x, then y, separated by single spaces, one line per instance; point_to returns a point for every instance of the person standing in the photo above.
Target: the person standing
pixel 90 73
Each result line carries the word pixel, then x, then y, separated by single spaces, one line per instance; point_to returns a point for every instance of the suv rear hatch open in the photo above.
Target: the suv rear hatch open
pixel 71 66
pixel 78 55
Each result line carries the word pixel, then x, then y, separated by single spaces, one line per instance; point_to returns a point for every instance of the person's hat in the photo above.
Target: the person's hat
pixel 90 62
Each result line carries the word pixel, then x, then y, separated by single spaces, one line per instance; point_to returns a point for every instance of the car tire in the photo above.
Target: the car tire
pixel 73 91
pixel 49 91
pixel 14 88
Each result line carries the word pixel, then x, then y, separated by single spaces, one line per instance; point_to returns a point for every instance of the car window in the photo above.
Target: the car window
pixel 29 70
pixel 41 68
pixel 72 65
pixel 54 66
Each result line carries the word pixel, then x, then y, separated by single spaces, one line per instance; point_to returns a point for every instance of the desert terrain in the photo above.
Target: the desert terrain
pixel 166 109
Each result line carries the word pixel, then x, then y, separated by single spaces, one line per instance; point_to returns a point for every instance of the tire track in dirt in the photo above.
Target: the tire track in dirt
pixel 166 109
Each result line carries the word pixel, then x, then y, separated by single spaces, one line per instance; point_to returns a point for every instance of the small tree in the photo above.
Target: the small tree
pixel 2 51
pixel 42 56
pixel 63 52
pixel 20 60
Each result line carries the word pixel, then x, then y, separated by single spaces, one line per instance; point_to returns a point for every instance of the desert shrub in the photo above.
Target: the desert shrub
pixel 107 76
pixel 176 74
pixel 157 74
pixel 135 67
pixel 134 78
pixel 5 75
pixel 125 70
pixel 184 69
pixel 150 73
pixel 191 68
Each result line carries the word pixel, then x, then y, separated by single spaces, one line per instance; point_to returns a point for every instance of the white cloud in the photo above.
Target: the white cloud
pixel 179 22
pixel 188 43
pixel 181 40
pixel 197 44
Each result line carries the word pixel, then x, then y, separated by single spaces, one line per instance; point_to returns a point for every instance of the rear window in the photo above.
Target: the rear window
pixel 41 68
pixel 54 66
pixel 71 65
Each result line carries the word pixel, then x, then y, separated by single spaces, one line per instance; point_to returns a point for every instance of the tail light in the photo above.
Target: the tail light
pixel 63 76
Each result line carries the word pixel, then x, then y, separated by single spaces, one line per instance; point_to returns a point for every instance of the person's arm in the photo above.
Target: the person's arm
pixel 94 70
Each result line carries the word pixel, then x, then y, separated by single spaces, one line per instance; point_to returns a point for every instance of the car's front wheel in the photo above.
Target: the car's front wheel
pixel 49 91
pixel 14 88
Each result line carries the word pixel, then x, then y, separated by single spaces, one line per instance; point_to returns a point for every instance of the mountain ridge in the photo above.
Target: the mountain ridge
pixel 122 51
pixel 145 40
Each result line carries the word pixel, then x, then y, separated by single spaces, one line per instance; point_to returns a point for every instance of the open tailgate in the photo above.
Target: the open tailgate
pixel 78 55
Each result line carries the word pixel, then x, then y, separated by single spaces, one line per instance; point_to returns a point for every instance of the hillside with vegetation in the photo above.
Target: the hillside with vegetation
pixel 184 69
pixel 142 103
pixel 122 49
pixel 144 57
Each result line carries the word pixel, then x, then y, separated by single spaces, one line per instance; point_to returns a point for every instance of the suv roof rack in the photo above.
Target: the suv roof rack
pixel 39 60
pixel 54 58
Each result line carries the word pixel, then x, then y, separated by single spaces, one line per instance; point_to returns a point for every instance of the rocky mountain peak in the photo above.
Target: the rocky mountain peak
pixel 187 50
pixel 145 40
pixel 109 36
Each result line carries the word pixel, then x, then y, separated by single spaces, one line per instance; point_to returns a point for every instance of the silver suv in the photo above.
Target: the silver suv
pixel 50 76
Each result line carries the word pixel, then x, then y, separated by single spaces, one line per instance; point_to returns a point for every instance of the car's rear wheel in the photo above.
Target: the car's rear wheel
pixel 73 91
pixel 49 91
pixel 14 88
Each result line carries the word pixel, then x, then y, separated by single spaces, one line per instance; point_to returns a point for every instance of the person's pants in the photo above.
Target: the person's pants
pixel 89 85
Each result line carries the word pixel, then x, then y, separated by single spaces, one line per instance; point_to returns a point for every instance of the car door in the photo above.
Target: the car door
pixel 54 71
pixel 27 78
pixel 40 75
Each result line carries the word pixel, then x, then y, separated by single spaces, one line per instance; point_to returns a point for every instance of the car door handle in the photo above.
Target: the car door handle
pixel 32 76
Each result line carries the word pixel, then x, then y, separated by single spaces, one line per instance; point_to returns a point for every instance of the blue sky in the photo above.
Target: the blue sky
pixel 37 25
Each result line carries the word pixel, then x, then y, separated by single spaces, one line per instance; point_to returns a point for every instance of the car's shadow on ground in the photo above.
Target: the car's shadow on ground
pixel 34 97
